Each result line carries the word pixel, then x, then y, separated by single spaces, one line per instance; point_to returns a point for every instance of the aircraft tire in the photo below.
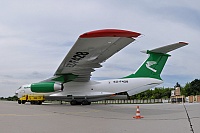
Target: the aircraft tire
pixel 73 102
pixel 85 102
pixel 78 103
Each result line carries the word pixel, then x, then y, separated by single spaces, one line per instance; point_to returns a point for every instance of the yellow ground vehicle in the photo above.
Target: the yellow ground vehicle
pixel 33 99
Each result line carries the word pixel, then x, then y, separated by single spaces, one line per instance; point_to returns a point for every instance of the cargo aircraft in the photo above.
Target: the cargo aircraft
pixel 71 81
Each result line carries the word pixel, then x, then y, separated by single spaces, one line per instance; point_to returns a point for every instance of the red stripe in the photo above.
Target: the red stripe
pixel 183 42
pixel 110 33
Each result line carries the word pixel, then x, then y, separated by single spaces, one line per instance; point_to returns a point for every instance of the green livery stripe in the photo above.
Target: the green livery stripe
pixel 152 67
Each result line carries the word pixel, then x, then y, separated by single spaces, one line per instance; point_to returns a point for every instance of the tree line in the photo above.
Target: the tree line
pixel 191 88
pixel 13 98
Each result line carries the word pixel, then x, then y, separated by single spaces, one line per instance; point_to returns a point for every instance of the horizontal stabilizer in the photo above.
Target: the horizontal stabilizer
pixel 168 48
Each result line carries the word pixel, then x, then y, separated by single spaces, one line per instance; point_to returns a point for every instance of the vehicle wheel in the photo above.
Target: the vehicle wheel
pixel 73 102
pixel 23 101
pixel 19 101
pixel 39 102
pixel 33 102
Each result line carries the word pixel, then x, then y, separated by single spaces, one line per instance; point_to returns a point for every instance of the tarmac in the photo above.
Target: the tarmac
pixel 98 118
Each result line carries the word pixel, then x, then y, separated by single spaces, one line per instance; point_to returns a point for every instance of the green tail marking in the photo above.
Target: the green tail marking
pixel 152 67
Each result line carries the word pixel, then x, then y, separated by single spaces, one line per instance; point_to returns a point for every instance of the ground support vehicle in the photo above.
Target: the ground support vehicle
pixel 33 99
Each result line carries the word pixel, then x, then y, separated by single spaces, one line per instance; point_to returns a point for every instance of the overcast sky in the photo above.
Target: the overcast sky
pixel 35 36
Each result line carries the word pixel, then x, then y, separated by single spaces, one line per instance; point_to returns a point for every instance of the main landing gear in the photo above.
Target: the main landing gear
pixel 84 102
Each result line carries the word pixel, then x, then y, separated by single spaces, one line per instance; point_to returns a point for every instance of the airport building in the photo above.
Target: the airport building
pixel 176 96
pixel 193 99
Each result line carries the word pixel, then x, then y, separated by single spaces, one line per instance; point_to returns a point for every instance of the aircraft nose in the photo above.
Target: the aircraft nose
pixel 16 93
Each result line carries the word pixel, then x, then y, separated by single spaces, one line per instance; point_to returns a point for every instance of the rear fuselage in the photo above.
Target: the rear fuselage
pixel 113 86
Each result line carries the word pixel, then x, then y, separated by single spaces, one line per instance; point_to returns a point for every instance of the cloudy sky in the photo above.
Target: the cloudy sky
pixel 35 36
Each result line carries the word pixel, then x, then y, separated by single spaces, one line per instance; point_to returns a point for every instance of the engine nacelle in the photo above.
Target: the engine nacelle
pixel 43 87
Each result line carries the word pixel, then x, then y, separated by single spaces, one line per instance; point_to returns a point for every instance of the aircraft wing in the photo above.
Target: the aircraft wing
pixel 89 51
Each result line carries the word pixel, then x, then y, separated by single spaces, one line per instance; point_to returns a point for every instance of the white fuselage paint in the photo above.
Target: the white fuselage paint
pixel 106 87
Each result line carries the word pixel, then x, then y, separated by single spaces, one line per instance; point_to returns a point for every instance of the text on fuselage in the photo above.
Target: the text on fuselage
pixel 120 81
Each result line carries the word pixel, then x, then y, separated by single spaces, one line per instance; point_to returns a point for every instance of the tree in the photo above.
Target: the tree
pixel 2 98
pixel 184 90
pixel 193 88
pixel 13 98
pixel 166 92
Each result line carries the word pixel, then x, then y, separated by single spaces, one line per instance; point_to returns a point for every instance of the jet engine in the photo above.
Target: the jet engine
pixel 43 87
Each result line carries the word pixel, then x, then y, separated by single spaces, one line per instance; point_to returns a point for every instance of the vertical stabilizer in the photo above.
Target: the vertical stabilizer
pixel 155 63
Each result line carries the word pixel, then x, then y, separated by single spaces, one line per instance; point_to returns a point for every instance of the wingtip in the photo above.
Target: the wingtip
pixel 184 43
pixel 110 33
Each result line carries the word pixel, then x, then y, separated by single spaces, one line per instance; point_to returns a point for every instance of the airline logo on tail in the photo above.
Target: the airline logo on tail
pixel 150 63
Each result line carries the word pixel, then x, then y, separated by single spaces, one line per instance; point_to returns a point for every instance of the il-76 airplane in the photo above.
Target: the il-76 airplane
pixel 71 81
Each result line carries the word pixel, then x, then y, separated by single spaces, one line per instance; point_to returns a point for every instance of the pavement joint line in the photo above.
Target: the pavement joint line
pixel 1 115
pixel 77 113
pixel 189 119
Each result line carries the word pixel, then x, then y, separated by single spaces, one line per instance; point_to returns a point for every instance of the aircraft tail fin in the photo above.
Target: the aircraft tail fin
pixel 155 63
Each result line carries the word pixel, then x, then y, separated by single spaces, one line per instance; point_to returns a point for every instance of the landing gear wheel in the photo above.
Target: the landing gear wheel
pixel 85 102
pixel 73 102
pixel 78 103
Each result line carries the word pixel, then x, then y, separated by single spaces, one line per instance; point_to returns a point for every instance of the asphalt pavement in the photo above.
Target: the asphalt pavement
pixel 98 118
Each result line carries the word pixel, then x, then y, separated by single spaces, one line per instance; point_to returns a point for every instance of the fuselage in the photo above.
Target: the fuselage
pixel 98 88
